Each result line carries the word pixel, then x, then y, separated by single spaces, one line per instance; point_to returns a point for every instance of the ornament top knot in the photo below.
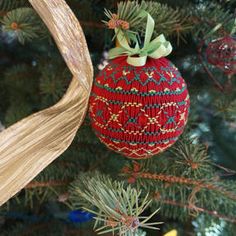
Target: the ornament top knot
pixel 139 105
pixel 137 55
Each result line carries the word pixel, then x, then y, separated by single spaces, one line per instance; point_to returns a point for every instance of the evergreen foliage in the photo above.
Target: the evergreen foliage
pixel 118 207
pixel 12 4
pixel 193 183
pixel 24 23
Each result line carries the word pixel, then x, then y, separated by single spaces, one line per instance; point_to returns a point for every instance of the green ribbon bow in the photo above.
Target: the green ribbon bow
pixel 156 48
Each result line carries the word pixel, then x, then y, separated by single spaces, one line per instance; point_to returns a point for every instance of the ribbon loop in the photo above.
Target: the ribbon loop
pixel 137 61
pixel 156 48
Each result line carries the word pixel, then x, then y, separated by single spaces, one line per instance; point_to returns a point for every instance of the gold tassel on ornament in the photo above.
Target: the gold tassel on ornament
pixel 31 144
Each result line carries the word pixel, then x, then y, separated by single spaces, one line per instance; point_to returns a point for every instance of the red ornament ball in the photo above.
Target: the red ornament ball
pixel 139 111
pixel 222 54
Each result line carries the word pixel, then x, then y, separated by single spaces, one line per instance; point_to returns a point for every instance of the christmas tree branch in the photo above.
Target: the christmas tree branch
pixel 136 174
pixel 12 4
pixel 200 184
pixel 197 209
pixel 186 175
pixel 117 207
pixel 24 23
pixel 50 183
pixel 204 19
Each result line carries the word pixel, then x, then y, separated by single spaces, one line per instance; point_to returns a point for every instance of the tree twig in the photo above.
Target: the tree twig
pixel 187 181
pixel 199 209
pixel 50 183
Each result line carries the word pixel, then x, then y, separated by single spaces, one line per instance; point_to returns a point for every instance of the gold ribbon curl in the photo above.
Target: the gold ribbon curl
pixel 31 144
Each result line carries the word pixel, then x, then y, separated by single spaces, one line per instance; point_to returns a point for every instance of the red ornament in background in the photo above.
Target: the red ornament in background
pixel 139 111
pixel 222 54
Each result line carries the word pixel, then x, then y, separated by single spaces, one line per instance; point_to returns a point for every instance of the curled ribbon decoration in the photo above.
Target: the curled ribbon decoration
pixel 31 144
pixel 156 48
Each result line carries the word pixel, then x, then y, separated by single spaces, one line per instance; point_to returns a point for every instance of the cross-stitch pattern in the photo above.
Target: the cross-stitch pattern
pixel 139 111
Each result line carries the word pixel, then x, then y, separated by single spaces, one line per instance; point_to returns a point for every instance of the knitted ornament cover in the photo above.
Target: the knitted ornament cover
pixel 139 105
pixel 139 111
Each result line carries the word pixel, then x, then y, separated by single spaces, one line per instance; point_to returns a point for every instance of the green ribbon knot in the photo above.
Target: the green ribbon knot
pixel 155 48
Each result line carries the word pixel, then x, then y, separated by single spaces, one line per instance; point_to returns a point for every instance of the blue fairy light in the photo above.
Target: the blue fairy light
pixel 80 216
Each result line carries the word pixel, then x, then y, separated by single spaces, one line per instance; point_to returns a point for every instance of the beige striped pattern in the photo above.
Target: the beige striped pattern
pixel 31 144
